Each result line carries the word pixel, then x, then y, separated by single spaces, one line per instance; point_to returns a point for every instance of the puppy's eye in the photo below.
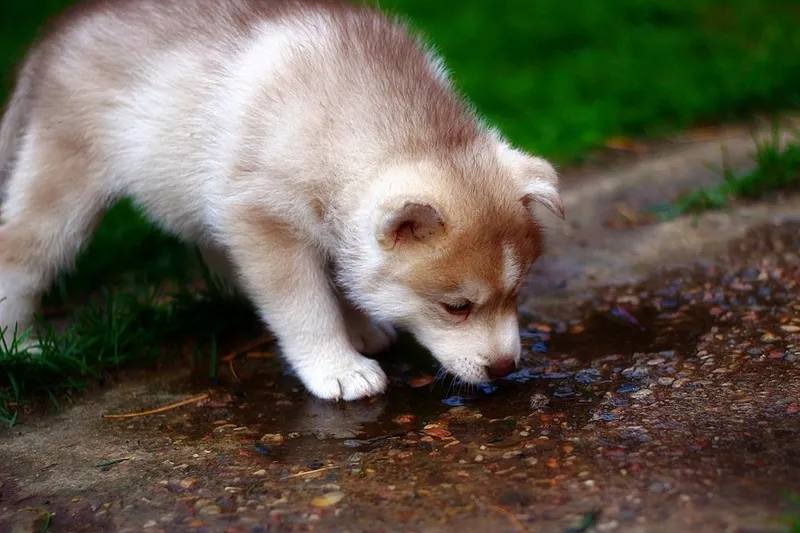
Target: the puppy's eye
pixel 458 309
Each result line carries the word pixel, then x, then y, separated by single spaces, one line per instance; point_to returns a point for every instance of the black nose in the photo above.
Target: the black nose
pixel 501 368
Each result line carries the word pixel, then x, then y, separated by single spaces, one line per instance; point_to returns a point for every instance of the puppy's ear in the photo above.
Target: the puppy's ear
pixel 412 222
pixel 537 177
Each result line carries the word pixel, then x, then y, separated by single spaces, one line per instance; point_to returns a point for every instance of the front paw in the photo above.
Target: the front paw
pixel 345 378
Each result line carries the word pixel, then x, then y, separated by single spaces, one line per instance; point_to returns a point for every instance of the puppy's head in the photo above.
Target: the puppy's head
pixel 453 243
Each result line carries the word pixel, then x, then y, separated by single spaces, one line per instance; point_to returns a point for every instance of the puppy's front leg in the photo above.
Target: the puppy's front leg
pixel 285 277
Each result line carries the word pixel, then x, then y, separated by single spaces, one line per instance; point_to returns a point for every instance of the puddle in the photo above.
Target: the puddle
pixel 684 386
pixel 569 370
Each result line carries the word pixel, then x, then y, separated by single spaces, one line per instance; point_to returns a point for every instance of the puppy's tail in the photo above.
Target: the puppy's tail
pixel 12 125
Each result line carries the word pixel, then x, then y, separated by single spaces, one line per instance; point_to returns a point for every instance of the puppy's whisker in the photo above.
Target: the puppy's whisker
pixel 439 379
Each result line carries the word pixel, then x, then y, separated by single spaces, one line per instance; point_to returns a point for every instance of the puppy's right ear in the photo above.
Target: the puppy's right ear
pixel 536 176
pixel 411 223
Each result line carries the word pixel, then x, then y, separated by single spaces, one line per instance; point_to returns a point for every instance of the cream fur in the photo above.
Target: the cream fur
pixel 281 136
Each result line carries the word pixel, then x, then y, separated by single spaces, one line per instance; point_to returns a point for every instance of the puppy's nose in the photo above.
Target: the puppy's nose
pixel 501 367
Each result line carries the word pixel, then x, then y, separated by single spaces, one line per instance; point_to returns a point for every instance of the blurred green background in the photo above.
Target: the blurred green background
pixel 561 77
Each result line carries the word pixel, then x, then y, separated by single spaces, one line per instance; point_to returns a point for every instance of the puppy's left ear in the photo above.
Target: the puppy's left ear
pixel 538 178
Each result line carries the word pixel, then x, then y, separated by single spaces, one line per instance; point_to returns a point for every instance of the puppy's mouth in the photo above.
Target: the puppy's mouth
pixel 475 375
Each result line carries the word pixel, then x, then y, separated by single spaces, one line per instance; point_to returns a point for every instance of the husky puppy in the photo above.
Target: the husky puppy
pixel 314 149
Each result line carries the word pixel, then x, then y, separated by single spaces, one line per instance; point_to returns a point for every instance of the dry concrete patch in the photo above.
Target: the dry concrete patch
pixel 583 253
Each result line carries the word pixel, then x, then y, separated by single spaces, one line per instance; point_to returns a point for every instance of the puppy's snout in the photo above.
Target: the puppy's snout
pixel 501 367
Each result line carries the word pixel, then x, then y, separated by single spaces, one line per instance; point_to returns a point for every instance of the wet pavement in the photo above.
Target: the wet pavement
pixel 660 392
pixel 672 404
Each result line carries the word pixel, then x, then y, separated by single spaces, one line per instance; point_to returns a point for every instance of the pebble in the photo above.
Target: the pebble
pixel 436 431
pixel 789 328
pixel 273 438
pixel 421 381
pixel 679 383
pixel 539 401
pixel 210 510
pixel 405 420
pixel 328 500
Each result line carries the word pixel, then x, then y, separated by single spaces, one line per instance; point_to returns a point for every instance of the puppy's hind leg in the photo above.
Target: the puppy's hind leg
pixel 53 202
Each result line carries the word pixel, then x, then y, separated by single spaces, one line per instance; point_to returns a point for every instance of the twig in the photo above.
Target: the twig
pixel 318 470
pixel 513 519
pixel 112 462
pixel 161 409
pixel 233 370
pixel 263 339
pixel 259 355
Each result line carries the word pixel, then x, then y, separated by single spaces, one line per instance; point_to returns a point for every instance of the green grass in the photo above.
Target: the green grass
pixel 792 518
pixel 117 326
pixel 777 167
pixel 560 78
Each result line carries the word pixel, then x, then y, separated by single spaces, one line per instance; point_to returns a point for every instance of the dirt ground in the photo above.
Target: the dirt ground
pixel 660 393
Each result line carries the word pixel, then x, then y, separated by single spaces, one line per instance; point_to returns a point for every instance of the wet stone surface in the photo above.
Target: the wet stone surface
pixel 666 406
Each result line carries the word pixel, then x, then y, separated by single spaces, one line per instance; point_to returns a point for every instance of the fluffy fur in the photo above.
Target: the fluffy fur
pixel 316 150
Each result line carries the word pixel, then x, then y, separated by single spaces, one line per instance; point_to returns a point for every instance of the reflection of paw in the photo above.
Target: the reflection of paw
pixel 369 337
pixel 327 420
pixel 349 378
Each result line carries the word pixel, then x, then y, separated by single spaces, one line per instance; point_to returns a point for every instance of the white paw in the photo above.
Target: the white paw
pixel 17 335
pixel 368 337
pixel 350 378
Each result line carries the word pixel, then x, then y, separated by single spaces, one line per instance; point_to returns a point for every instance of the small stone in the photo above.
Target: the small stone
pixel 539 401
pixel 478 458
pixel 642 394
pixel 679 383
pixel 174 486
pixel 405 420
pixel 608 526
pixel 658 486
pixel 209 510
pixel 666 382
pixel 224 429
pixel 790 328
pixel 421 381
pixel 188 483
pixel 436 432
pixel 273 438
pixel 512 454
pixel 769 337
pixel 149 524
pixel 260 473
pixel 329 499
